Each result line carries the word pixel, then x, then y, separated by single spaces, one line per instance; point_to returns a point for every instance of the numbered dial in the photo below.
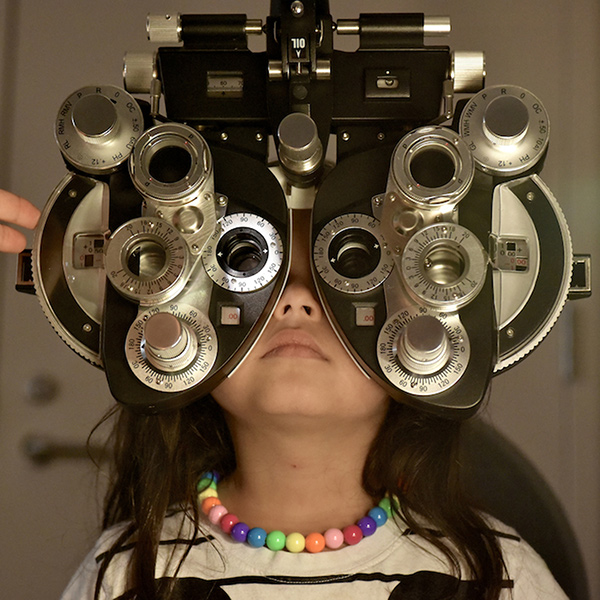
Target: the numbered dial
pixel 97 127
pixel 171 348
pixel 506 128
pixel 351 255
pixel 423 352
pixel 245 254
pixel 444 266
pixel 146 260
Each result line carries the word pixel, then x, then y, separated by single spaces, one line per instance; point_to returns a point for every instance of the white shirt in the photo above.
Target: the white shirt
pixel 391 564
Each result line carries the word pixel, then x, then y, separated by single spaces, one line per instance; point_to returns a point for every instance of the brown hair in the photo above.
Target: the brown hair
pixel 414 457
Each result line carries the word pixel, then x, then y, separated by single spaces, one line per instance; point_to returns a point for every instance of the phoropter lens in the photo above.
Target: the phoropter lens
pixel 146 259
pixel 354 253
pixel 242 252
pixel 445 265
pixel 432 167
pixel 170 164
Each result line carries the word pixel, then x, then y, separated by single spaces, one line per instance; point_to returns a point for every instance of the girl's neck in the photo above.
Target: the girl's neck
pixel 303 481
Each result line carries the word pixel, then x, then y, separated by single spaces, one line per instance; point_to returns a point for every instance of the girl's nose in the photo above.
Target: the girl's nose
pixel 300 297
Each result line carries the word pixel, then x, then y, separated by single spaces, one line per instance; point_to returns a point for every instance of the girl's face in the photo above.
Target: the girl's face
pixel 299 369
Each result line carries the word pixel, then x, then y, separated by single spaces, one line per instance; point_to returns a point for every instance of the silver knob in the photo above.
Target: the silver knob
pixel 424 346
pixel 164 28
pixel 139 72
pixel 170 344
pixel 300 149
pixel 97 126
pixel 506 120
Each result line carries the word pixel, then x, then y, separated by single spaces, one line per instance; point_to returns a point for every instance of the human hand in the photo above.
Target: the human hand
pixel 17 211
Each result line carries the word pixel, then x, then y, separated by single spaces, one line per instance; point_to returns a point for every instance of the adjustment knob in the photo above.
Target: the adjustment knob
pixel 94 117
pixel 96 128
pixel 300 149
pixel 170 344
pixel 424 346
pixel 505 120
pixel 506 129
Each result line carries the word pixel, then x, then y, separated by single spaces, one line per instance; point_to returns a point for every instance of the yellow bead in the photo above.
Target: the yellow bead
pixel 295 542
pixel 207 493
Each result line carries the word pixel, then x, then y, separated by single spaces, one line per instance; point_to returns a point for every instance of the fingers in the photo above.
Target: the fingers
pixel 18 211
pixel 11 240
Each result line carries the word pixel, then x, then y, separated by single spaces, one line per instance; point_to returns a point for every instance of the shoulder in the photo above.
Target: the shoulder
pixel 83 583
pixel 528 572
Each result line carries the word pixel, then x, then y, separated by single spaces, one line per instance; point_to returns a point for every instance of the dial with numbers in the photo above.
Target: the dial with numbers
pixel 351 255
pixel 245 254
pixel 444 265
pixel 425 368
pixel 97 127
pixel 203 340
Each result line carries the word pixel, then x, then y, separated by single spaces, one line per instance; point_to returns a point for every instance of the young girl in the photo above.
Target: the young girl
pixel 297 478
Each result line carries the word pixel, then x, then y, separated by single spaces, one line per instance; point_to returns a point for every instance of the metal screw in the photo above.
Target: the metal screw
pixel 530 196
pixel 222 200
pixel 381 136
pixel 345 136
pixel 297 8
pixel 224 136
pixel 87 327
pixel 259 136
pixel 73 193
pixel 510 332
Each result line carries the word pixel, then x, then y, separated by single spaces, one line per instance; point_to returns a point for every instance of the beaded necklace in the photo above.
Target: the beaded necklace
pixel 257 537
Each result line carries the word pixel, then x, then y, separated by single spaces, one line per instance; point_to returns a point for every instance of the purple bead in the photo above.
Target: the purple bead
pixel 368 526
pixel 239 532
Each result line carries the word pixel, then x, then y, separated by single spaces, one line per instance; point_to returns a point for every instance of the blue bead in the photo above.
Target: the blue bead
pixel 257 537
pixel 239 532
pixel 378 515
pixel 368 526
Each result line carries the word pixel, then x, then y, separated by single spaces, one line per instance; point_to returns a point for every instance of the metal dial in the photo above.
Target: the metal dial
pixel 171 162
pixel 146 260
pixel 351 255
pixel 97 127
pixel 444 265
pixel 506 128
pixel 430 370
pixel 432 166
pixel 245 254
pixel 202 337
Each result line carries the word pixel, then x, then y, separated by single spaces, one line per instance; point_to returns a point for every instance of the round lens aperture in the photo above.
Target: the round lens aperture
pixel 432 167
pixel 170 164
pixel 245 254
pixel 242 252
pixel 354 253
pixel 146 258
pixel 445 264
pixel 350 254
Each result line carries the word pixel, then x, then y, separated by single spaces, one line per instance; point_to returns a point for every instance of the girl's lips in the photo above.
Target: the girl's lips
pixel 293 343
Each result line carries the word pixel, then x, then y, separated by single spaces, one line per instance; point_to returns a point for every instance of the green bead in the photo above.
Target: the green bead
pixel 387 506
pixel 206 482
pixel 276 540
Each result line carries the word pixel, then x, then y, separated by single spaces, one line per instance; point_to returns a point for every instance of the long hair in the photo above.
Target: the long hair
pixel 414 457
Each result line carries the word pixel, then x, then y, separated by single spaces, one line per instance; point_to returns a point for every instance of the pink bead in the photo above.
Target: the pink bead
pixel 334 538
pixel 215 513
pixel 352 534
pixel 227 522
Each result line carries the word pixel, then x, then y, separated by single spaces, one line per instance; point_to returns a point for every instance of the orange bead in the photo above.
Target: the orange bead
pixel 208 503
pixel 315 542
